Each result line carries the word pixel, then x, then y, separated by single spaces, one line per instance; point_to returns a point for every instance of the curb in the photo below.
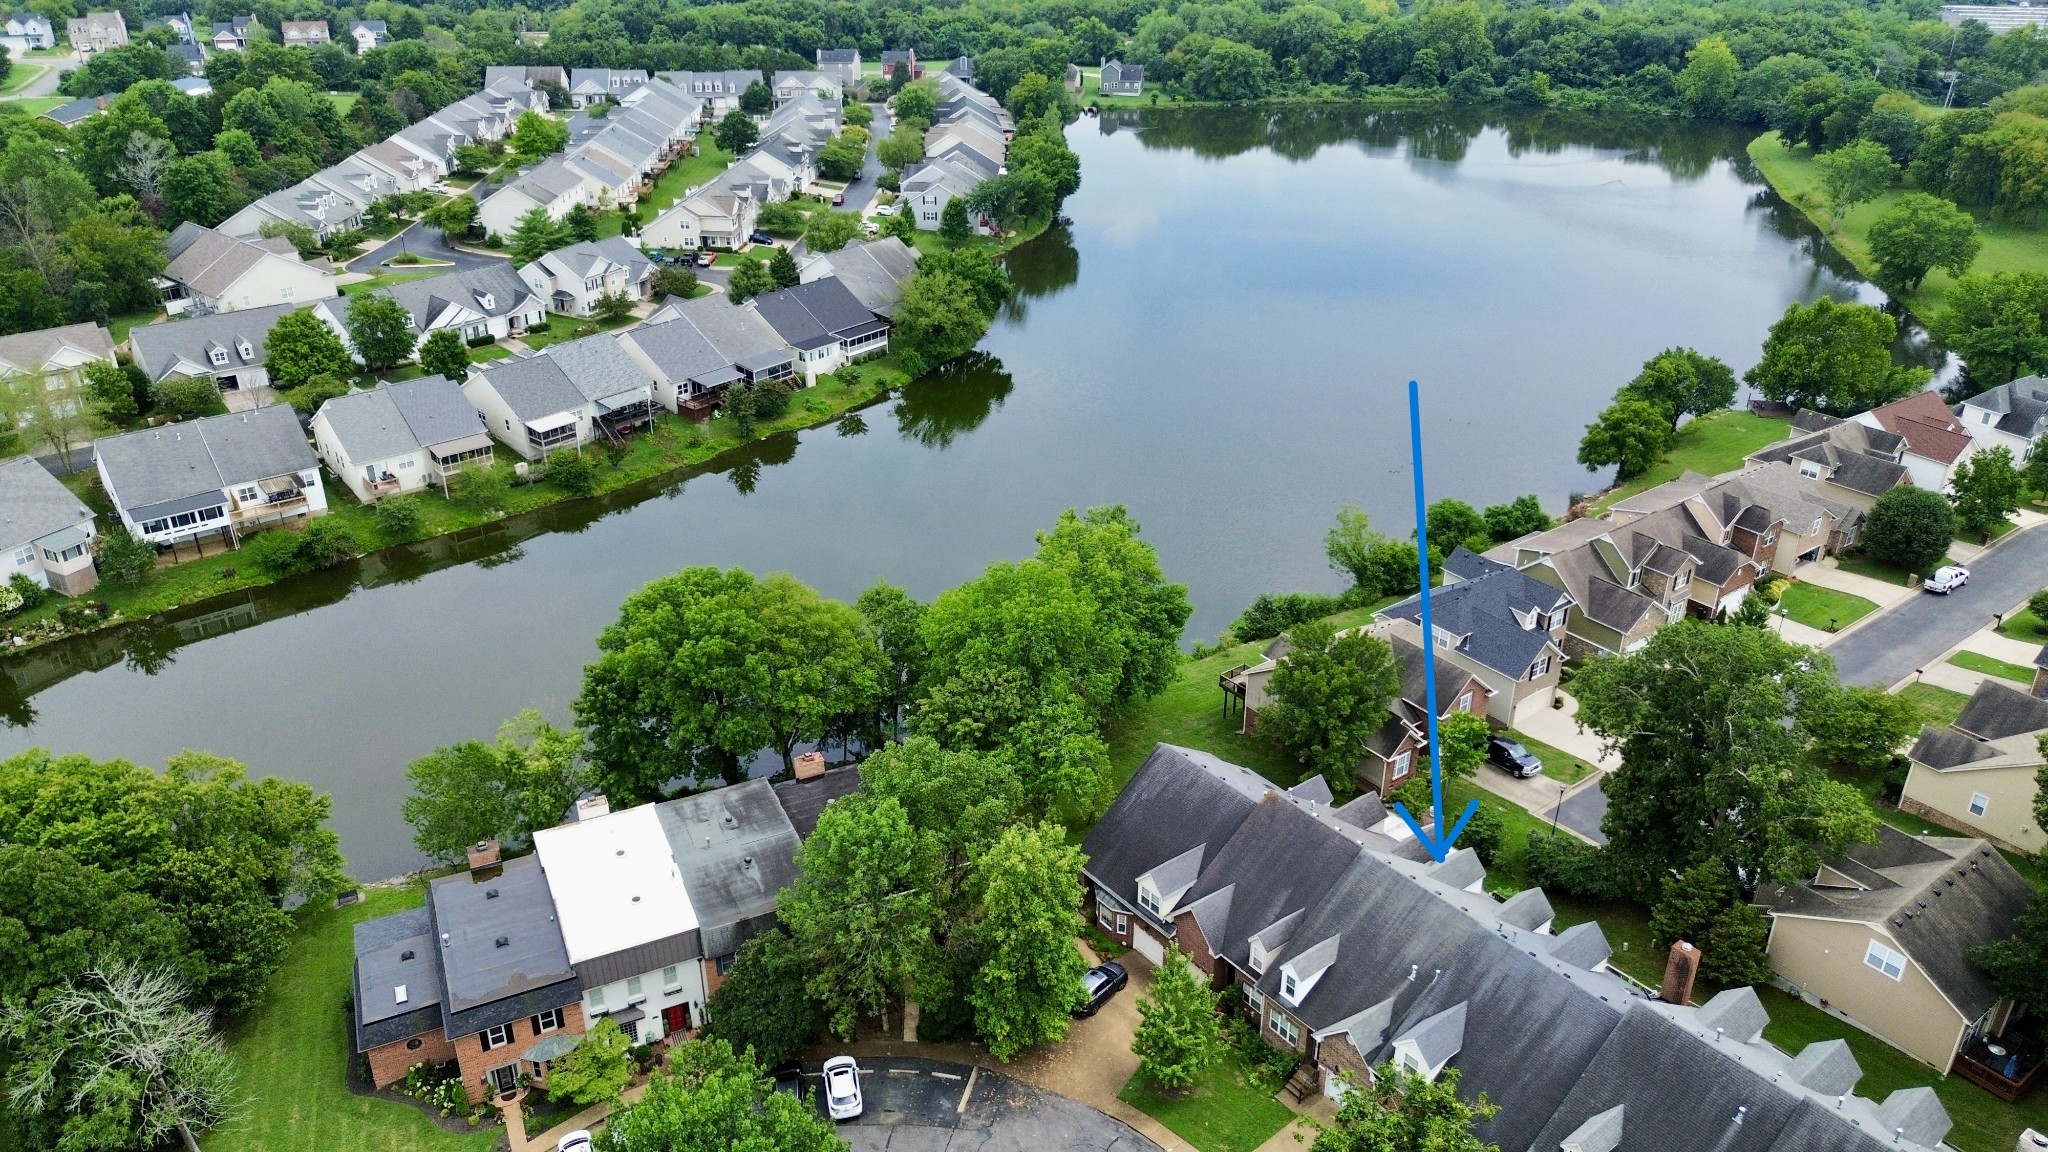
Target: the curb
pixel 1895 605
pixel 1958 646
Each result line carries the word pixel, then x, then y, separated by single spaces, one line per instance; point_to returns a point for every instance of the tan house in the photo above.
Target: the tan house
pixel 1981 774
pixel 305 33
pixel 97 31
pixel 1851 462
pixel 1880 937
pixel 213 272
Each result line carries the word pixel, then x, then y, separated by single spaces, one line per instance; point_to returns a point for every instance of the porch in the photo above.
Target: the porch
pixel 2004 1066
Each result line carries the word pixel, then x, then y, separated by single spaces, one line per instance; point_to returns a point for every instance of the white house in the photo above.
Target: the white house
pixel 695 349
pixel 825 85
pixel 570 279
pixel 1935 441
pixel 491 301
pixel 27 32
pixel 568 396
pixel 398 438
pixel 322 209
pixel 214 476
pixel 210 272
pixel 225 346
pixel 678 113
pixel 926 191
pixel 369 34
pixel 55 351
pixel 826 324
pixel 46 533
pixel 713 218
pixel 842 63
pixel 553 186
pixel 720 91
pixel 589 86
pixel 2012 416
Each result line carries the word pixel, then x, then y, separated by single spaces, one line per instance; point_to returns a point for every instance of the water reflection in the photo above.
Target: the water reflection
pixel 953 401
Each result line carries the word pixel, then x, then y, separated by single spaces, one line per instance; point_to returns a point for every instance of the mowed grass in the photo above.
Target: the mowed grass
pixel 2007 247
pixel 1221 1112
pixel 1709 445
pixel 1558 765
pixel 1864 566
pixel 1938 706
pixel 2024 625
pixel 1992 666
pixel 292 1052
pixel 1824 608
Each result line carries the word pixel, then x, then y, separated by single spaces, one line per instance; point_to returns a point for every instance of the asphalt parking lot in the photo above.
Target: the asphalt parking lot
pixel 917 1106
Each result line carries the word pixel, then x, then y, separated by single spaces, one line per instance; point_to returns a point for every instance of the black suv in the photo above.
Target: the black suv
pixel 1102 982
pixel 1510 757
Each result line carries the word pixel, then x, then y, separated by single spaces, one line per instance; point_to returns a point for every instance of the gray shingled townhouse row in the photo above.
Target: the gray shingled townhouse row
pixel 220 344
pixel 818 314
pixel 160 472
pixel 392 419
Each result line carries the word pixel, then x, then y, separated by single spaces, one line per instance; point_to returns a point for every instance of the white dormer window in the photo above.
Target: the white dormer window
pixel 1290 990
pixel 1444 639
pixel 1809 469
pixel 1148 898
pixel 1257 959
pixel 219 356
pixel 245 350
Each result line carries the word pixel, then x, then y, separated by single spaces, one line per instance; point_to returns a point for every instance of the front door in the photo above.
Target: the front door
pixel 505 1078
pixel 675 1019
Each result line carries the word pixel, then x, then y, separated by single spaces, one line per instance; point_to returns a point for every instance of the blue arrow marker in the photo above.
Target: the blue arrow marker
pixel 1438 848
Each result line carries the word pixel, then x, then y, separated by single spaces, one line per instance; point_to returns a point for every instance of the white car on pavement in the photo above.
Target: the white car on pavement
pixel 1948 579
pixel 577 1141
pixel 842 1088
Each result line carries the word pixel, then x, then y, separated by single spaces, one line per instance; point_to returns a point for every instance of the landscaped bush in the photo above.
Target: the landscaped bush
pixel 436 1087
pixel 10 600
pixel 32 594
pixel 78 616
pixel 482 341
pixel 187 396
pixel 399 518
pixel 124 561
pixel 572 473
pixel 1276 612
pixel 321 544
pixel 405 258
pixel 1265 1065
pixel 1567 864
pixel 1483 833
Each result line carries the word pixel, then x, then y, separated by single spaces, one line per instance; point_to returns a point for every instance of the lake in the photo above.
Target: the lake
pixel 1220 340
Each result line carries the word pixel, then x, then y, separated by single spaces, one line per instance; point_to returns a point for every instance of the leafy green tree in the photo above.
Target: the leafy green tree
pixel 736 132
pixel 536 235
pixel 1328 696
pixel 1860 727
pixel 782 266
pixel 1854 174
pixel 918 101
pixel 443 353
pixel 1029 978
pixel 535 136
pixel 399 518
pixel 109 392
pixel 1986 490
pixel 1704 907
pixel 897 622
pixel 1706 85
pixel 758 99
pixel 1631 434
pixel 900 149
pixel 844 155
pixel 1511 521
pixel 1178 1034
pixel 954 226
pixel 380 330
pixel 1683 383
pixel 1998 324
pixel 831 231
pixel 860 909
pixel 58 918
pixel 674 280
pixel 1403 1111
pixel 598 1069
pixel 1461 742
pixel 1833 358
pixel 716 1100
pixel 2036 476
pixel 126 561
pixel 613 307
pixel 1710 771
pixel 1919 233
pixel 1453 523
pixel 1910 528
pixel 1350 546
pixel 749 279
pixel 472 791
pixel 187 396
pixel 936 320
pixel 1138 613
pixel 761 1005
pixel 455 216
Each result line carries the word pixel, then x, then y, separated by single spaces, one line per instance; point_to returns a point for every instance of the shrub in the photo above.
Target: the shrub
pixel 77 616
pixel 32 593
pixel 187 396
pixel 572 473
pixel 1276 612
pixel 405 258
pixel 1567 864
pixel 124 561
pixel 10 600
pixel 325 543
pixel 399 518
pixel 482 341
pixel 275 551
pixel 1910 528
pixel 2038 605
pixel 308 397
pixel 1483 833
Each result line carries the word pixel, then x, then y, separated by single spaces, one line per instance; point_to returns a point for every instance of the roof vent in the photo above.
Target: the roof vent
pixel 636 899
pixel 620 852
pixel 405 955
pixel 502 942
pixel 729 821
pixel 490 893
pixel 747 863
pixel 444 939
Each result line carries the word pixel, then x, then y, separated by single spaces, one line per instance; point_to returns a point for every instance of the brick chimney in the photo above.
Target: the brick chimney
pixel 810 765
pixel 483 854
pixel 1679 972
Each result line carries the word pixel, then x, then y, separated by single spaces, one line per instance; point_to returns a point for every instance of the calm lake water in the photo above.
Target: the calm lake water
pixel 1220 341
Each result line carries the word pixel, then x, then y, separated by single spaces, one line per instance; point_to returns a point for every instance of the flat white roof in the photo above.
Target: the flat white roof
pixel 614 882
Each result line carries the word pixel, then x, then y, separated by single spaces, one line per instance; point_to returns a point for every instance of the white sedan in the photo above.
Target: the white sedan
pixel 577 1141
pixel 1948 579
pixel 842 1088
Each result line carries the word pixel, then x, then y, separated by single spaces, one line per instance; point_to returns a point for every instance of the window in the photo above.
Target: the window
pixel 547 1021
pixel 1885 960
pixel 24 555
pixel 1979 803
pixel 723 964
pixel 1401 762
pixel 597 998
pixel 633 992
pixel 247 495
pixel 1284 1027
pixel 1257 959
pixel 1287 983
pixel 286 293
pixel 1539 668
pixel 1465 702
pixel 497 1037
pixel 219 356
pixel 632 1030
pixel 1148 899
pixel 1684 580
pixel 670 979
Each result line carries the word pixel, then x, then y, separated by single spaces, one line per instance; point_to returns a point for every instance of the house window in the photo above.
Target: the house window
pixel 497 1037
pixel 633 992
pixel 247 495
pixel 1465 702
pixel 1148 899
pixel 632 1030
pixel 547 1021
pixel 24 555
pixel 219 356
pixel 723 964
pixel 671 980
pixel 1684 580
pixel 597 998
pixel 1257 960
pixel 1287 984
pixel 1401 762
pixel 1979 803
pixel 1539 668
pixel 1885 960
pixel 1285 1028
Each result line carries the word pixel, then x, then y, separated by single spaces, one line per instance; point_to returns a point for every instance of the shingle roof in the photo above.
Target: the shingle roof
pixel 534 388
pixel 158 465
pixel 1279 861
pixel 392 952
pixel 1177 800
pixel 159 348
pixel 1942 748
pixel 34 504
pixel 392 419
pixel 32 352
pixel 427 299
pixel 598 368
pixel 1997 711
pixel 435 410
pixel 2022 403
pixel 805 800
pixel 487 983
pixel 1483 611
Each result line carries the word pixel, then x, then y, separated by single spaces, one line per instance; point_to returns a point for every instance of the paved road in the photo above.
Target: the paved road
pixel 1582 812
pixel 863 188
pixel 1891 645
pixel 425 241
pixel 915 1106
pixel 45 84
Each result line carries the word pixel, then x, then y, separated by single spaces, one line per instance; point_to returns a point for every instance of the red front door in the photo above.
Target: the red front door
pixel 675 1018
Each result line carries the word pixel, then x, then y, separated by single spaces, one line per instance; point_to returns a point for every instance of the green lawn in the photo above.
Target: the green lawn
pixel 1992 666
pixel 387 279
pixel 2024 625
pixel 1983 1123
pixel 686 173
pixel 1626 925
pixel 2004 528
pixel 121 325
pixel 291 1054
pixel 2008 247
pixel 37 105
pixel 1709 445
pixel 1938 706
pixel 20 76
pixel 343 101
pixel 1823 608
pixel 1559 765
pixel 1864 566
pixel 1220 1113
pixel 491 352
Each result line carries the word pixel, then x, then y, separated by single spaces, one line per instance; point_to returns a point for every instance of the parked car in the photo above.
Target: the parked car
pixel 1510 757
pixel 870 229
pixel 838 199
pixel 440 189
pixel 885 210
pixel 842 1088
pixel 706 258
pixel 788 1077
pixel 577 1141
pixel 1948 579
pixel 1100 983
pixel 760 238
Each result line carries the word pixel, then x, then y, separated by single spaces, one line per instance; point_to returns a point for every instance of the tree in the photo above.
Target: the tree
pixel 954 226
pixel 1351 546
pixel 2036 476
pixel 1138 613
pixel 1631 434
pixel 1910 528
pixel 1403 1111
pixel 736 132
pixel 301 346
pixel 597 1069
pixel 472 791
pixel 860 909
pixel 1329 696
pixel 674 280
pixel 1860 727
pixel 1682 382
pixel 782 267
pixel 126 561
pixel 1709 769
pixel 1919 233
pixel 843 156
pixel 1704 907
pixel 936 320
pixel 399 518
pixel 535 136
pixel 1177 1034
pixel 455 216
pixel 1029 978
pixel 1854 174
pixel 1834 358
pixel 1706 85
pixel 749 279
pixel 1516 519
pixel 900 149
pixel 1986 490
pixel 536 235
pixel 716 1100
pixel 2018 964
pixel 116 1060
pixel 761 1005
pixel 111 395
pixel 613 307
pixel 757 99
pixel 1998 324
pixel 380 329
pixel 444 354
pixel 59 918
pixel 1461 742
pixel 831 231
pixel 1454 523
pixel 897 622
pixel 918 101
pixel 187 396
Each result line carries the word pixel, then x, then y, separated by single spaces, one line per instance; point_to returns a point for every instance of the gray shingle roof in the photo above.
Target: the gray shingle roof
pixel 599 369
pixel 427 299
pixel 1943 748
pixel 534 388
pixel 394 951
pixel 1437 1038
pixel 1827 1067
pixel 158 465
pixel 874 271
pixel 1997 711
pixel 159 347
pixel 1482 610
pixel 368 425
pixel 435 410
pixel 805 800
pixel 1173 803
pixel 487 983
pixel 1279 861
pixel 34 504
pixel 815 314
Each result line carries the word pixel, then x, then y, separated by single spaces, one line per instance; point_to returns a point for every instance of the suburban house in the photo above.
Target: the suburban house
pixel 73 112
pixel 55 351
pixel 227 346
pixel 720 91
pixel 717 216
pixel 399 438
pixel 97 31
pixel 1121 79
pixel 488 302
pixel 370 34
pixel 589 86
pixel 1980 775
pixel 27 32
pixel 1933 440
pixel 961 100
pixel 875 271
pixel 1881 938
pixel 46 533
pixel 571 279
pixel 905 59
pixel 788 86
pixel 927 188
pixel 1353 955
pixel 1772 513
pixel 664 107
pixel 525 75
pixel 313 204
pixel 233 35
pixel 961 67
pixel 635 140
pixel 984 139
pixel 1505 627
pixel 568 396
pixel 2012 416
pixel 606 176
pixel 214 476
pixel 825 323
pixel 304 33
pixel 211 272
pixel 554 186
pixel 1849 461
pixel 694 350
pixel 843 63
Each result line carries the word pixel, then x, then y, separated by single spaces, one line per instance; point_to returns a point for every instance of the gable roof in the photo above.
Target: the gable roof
pixel 598 368
pixel 157 466
pixel 1484 611
pixel 2022 406
pixel 34 504
pixel 32 352
pixel 817 314
pixel 1178 799
pixel 875 271
pixel 210 262
pixel 1997 711
pixel 493 290
pixel 391 419
pixel 1926 425
pixel 1280 861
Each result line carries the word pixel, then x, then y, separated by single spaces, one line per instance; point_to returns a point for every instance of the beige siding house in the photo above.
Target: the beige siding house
pixel 1980 775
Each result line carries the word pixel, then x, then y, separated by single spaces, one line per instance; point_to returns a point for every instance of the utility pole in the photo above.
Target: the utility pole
pixel 1949 98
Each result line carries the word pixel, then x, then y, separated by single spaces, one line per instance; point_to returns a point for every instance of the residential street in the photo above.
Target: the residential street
pixel 861 192
pixel 1890 646
pixel 426 242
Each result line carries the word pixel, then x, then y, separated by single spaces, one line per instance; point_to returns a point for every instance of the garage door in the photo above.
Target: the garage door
pixel 1148 946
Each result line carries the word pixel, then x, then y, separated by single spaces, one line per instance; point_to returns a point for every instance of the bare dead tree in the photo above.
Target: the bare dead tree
pixel 143 170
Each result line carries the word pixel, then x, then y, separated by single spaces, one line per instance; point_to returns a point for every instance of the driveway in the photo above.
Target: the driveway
pixel 423 241
pixel 1891 645
pixel 861 191
pixel 913 1105
pixel 1582 812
